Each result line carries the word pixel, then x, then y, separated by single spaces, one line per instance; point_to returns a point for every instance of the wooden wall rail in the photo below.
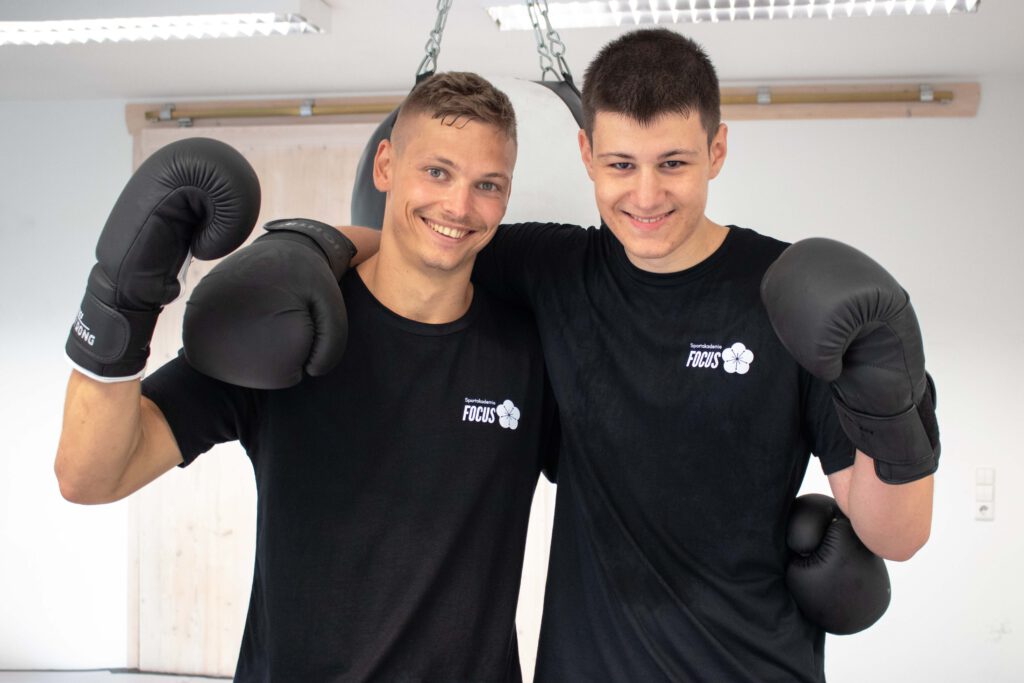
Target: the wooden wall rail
pixel 847 101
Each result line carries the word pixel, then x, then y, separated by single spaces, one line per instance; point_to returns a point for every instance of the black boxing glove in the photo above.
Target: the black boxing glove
pixel 837 583
pixel 272 309
pixel 195 197
pixel 847 321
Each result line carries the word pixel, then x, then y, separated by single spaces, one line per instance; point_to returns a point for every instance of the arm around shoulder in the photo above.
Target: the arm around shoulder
pixel 113 442
pixel 366 241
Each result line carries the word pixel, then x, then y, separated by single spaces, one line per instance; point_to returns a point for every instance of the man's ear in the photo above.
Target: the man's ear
pixel 382 167
pixel 719 148
pixel 586 152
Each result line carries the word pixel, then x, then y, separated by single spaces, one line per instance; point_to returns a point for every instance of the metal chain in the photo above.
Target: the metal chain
pixel 556 51
pixel 433 46
pixel 547 64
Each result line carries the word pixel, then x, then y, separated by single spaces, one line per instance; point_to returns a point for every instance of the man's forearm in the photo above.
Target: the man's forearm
pixel 893 520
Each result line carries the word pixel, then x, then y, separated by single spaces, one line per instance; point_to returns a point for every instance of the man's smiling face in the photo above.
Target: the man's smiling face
pixel 448 184
pixel 651 183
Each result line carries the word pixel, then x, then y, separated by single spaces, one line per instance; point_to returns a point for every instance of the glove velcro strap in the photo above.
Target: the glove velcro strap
pixel 337 248
pixel 900 445
pixel 905 473
pixel 108 342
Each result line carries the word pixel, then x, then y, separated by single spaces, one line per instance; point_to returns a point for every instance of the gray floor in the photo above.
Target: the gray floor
pixel 98 677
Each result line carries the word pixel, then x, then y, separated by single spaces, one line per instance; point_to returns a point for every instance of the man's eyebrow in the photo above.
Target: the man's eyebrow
pixel 664 155
pixel 444 162
pixel 679 153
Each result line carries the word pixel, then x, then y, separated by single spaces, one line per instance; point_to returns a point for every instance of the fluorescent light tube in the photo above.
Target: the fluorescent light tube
pixel 512 16
pixel 51 23
pixel 68 32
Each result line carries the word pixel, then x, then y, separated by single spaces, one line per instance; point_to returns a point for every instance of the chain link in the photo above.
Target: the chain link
pixel 538 9
pixel 552 59
pixel 433 46
pixel 547 64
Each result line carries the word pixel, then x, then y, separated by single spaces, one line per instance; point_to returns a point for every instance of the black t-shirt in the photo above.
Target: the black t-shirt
pixel 393 496
pixel 686 433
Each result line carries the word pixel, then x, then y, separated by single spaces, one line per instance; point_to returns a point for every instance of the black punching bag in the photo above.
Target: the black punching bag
pixel 367 201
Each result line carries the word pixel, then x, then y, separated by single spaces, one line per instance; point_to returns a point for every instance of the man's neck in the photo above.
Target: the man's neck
pixel 705 242
pixel 415 292
pixel 698 246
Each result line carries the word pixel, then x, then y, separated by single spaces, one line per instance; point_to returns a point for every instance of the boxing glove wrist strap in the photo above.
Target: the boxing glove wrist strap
pixel 905 447
pixel 336 248
pixel 109 343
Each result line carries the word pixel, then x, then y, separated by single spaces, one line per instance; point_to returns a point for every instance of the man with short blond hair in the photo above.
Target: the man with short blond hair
pixel 394 488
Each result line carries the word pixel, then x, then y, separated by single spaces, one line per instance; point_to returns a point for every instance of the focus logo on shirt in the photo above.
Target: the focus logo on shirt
pixel 506 414
pixel 735 359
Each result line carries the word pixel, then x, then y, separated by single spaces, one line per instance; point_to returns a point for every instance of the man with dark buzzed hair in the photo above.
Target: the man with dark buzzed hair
pixel 687 421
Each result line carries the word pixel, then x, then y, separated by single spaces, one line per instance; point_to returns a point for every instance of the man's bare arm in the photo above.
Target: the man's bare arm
pixel 893 520
pixel 114 441
pixel 367 241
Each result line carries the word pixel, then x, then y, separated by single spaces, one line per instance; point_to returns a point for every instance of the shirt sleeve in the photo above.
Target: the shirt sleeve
pixel 522 257
pixel 201 411
pixel 828 441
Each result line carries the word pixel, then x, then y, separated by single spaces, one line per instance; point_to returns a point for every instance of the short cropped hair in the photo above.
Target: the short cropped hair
pixel 650 72
pixel 457 97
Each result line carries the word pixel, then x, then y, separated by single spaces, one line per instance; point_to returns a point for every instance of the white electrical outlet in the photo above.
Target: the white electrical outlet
pixel 985 511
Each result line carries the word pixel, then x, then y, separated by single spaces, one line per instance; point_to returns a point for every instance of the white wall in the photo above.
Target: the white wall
pixel 936 201
pixel 62 568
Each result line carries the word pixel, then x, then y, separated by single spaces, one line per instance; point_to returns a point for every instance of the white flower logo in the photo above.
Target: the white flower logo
pixel 508 415
pixel 737 358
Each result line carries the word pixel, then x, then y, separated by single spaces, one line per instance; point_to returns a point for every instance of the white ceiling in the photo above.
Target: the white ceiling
pixel 375 46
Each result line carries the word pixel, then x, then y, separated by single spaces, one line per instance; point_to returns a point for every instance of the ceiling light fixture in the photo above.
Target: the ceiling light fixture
pixel 148 20
pixel 512 16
